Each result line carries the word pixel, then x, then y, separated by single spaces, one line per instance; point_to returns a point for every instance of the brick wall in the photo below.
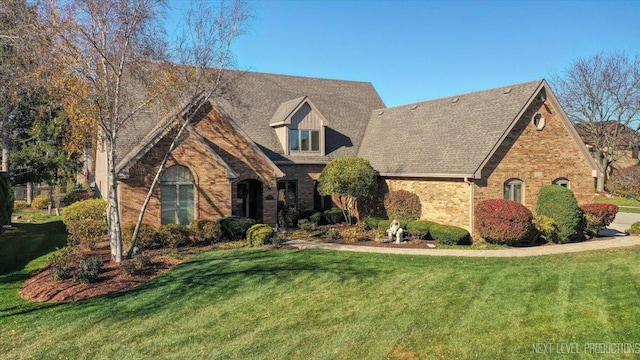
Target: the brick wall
pixel 537 158
pixel 306 177
pixel 445 201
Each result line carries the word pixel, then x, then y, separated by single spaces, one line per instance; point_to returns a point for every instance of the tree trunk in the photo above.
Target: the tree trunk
pixel 5 157
pixel 114 213
pixel 603 164
pixel 29 193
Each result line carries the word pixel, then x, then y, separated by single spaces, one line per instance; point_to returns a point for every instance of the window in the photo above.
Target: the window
pixel 513 190
pixel 562 182
pixel 304 140
pixel 177 196
pixel 538 121
pixel 287 193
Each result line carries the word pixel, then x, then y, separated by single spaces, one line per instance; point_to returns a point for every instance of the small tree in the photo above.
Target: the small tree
pixel 349 178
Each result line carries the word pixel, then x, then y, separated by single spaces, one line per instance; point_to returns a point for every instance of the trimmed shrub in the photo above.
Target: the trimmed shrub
pixel 20 204
pixel 260 234
pixel 41 201
pixel 288 217
pixel 307 225
pixel 450 235
pixel 625 182
pixel 78 195
pixel 316 218
pixel 334 216
pixel 86 222
pixel 419 229
pixel 634 229
pixel 136 265
pixel 372 223
pixel 147 236
pixel 234 228
pixel 174 235
pixel 332 234
pixel 354 233
pixel 205 230
pixel 598 216
pixel 402 204
pixel 559 204
pixel 503 221
pixel 61 263
pixel 88 270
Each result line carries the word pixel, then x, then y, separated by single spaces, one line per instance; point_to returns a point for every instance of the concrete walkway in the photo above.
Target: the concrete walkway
pixel 608 243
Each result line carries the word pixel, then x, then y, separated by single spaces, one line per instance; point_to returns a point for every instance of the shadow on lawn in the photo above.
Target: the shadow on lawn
pixel 29 242
pixel 222 274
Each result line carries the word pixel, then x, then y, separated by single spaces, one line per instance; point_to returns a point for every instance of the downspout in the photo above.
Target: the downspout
pixel 471 225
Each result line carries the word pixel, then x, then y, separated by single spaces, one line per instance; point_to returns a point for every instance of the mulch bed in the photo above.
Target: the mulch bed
pixel 41 288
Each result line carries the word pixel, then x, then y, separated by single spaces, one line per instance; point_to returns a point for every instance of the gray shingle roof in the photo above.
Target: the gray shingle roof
pixel 451 136
pixel 254 99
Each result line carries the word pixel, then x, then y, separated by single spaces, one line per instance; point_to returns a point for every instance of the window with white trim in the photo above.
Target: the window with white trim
pixel 562 182
pixel 177 189
pixel 513 190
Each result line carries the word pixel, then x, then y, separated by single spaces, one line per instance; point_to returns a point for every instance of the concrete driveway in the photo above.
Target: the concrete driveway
pixel 620 224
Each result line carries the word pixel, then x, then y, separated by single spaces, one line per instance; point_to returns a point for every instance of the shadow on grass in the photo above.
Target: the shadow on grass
pixel 29 242
pixel 219 275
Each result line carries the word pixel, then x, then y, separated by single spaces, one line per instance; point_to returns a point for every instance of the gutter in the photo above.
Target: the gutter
pixel 471 207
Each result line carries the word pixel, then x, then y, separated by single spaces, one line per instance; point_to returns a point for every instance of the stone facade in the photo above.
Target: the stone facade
pixel 445 201
pixel 537 157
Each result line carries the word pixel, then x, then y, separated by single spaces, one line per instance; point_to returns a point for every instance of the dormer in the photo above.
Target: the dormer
pixel 300 127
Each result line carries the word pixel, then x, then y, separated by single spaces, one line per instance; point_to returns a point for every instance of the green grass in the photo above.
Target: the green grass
pixel 318 304
pixel 627 205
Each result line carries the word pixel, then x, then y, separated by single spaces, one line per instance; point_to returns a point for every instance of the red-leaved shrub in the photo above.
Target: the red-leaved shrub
pixel 503 221
pixel 598 216
pixel 402 205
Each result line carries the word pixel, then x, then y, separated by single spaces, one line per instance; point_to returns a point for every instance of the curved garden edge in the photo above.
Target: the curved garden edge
pixel 603 243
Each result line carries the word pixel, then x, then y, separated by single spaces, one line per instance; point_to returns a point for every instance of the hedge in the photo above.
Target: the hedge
pixel 234 228
pixel 503 221
pixel 147 236
pixel 334 216
pixel 402 204
pixel 174 235
pixel 205 230
pixel 635 228
pixel 86 221
pixel 420 228
pixel 260 234
pixel 450 235
pixel 559 204
pixel 598 216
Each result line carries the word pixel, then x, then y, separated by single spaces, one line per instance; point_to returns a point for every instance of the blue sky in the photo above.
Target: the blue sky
pixel 419 50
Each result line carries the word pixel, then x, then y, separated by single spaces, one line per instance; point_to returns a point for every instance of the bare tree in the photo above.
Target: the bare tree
pixel 601 95
pixel 100 45
pixel 204 53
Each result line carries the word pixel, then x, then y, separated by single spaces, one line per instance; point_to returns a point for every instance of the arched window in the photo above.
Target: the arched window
pixel 562 182
pixel 513 190
pixel 176 194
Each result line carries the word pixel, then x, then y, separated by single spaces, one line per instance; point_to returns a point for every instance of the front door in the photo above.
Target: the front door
pixel 249 202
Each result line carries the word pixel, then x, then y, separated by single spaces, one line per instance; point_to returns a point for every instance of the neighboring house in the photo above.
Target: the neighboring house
pixel 625 142
pixel 264 146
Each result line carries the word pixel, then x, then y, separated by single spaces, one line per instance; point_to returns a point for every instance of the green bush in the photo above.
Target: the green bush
pixel 128 267
pixel 61 263
pixel 450 235
pixel 372 222
pixel 332 234
pixel 205 230
pixel 234 228
pixel 316 218
pixel 174 235
pixel 402 204
pixel 136 265
pixel 86 222
pixel 88 270
pixel 559 204
pixel 307 225
pixel 260 234
pixel 20 204
pixel 147 236
pixel 419 229
pixel 41 201
pixel 7 197
pixel 635 228
pixel 385 224
pixel 334 216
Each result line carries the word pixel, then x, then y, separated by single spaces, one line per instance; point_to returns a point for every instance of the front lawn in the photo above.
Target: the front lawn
pixel 316 304
pixel 627 205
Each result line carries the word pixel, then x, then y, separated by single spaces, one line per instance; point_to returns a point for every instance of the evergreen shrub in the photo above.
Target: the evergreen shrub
pixel 450 235
pixel 234 228
pixel 86 222
pixel 559 204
